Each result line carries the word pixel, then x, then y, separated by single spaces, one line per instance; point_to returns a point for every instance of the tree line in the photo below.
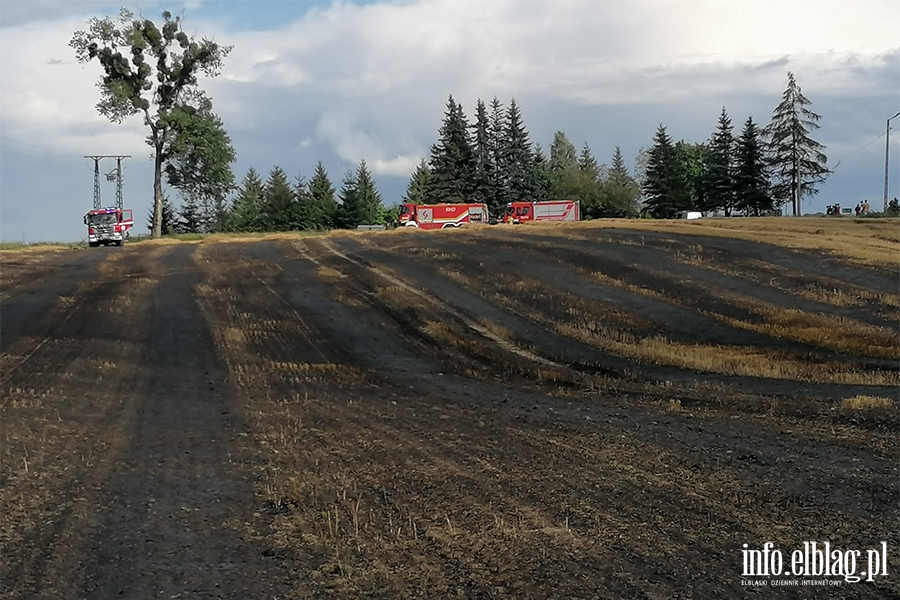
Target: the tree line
pixel 152 71
pixel 755 173
pixel 493 161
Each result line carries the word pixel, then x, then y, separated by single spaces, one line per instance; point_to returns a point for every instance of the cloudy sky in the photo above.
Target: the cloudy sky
pixel 343 81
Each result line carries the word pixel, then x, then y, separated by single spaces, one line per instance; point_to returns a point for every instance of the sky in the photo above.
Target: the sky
pixel 342 81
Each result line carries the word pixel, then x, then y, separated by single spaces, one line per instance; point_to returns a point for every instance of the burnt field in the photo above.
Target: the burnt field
pixel 504 412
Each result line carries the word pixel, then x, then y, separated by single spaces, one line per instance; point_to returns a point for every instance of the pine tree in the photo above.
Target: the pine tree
pixel 664 186
pixel 452 159
pixel 588 164
pixel 563 155
pixel 692 170
pixel 278 208
pixel 797 161
pixel 169 218
pixel 302 205
pixel 590 190
pixel 500 176
pixel 720 186
pixel 246 211
pixel 368 201
pixel 346 206
pixel 482 178
pixel 417 187
pixel 622 191
pixel 190 217
pixel 751 178
pixel 540 175
pixel 517 157
pixel 322 203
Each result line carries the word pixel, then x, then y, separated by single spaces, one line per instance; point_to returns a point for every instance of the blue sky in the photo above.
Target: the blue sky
pixel 340 82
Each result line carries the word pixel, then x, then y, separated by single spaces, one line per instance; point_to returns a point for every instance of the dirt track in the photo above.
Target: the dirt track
pixel 468 414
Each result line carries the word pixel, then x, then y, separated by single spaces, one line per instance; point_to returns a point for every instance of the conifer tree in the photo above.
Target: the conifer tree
pixel 720 188
pixel 322 203
pixel 500 177
pixel 752 194
pixel 417 188
pixel 622 191
pixel 541 175
pixel 190 217
pixel 797 161
pixel 563 155
pixel 278 208
pixel 664 186
pixel 482 177
pixel 246 211
pixel 517 157
pixel 368 201
pixel 302 204
pixel 452 159
pixel 169 218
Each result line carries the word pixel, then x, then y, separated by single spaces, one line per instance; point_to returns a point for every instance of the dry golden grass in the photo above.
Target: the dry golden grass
pixel 866 403
pixel 825 331
pixel 868 241
pixel 615 332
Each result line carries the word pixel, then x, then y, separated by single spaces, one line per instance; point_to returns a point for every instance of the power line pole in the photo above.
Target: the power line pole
pixel 887 148
pixel 118 177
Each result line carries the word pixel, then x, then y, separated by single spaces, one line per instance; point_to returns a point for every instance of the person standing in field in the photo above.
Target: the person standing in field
pixel 866 207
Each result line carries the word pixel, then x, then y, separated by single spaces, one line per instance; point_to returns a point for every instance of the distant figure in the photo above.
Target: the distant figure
pixel 858 209
pixel 866 207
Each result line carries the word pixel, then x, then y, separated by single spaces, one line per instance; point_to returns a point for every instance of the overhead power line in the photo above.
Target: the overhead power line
pixel 44 148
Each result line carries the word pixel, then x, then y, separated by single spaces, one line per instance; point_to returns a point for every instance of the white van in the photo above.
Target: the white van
pixel 685 214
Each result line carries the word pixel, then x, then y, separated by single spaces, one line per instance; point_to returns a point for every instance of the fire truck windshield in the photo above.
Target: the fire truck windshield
pixel 404 209
pixel 105 219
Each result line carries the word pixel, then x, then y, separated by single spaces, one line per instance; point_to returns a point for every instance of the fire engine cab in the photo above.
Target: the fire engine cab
pixel 549 210
pixel 108 226
pixel 441 216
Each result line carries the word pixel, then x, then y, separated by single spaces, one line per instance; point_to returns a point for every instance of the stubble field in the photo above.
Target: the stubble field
pixel 605 410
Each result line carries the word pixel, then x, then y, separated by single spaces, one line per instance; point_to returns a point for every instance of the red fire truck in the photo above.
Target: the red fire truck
pixel 108 226
pixel 441 216
pixel 548 210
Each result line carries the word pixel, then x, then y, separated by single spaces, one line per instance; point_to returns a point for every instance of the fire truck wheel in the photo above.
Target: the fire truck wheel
pixel 119 242
pixel 93 244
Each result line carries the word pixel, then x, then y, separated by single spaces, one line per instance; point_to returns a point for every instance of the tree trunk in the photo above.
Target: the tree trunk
pixel 157 192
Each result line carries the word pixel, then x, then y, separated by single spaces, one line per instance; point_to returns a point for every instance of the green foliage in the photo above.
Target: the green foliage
pixel 692 169
pixel 751 178
pixel 360 200
pixel 621 190
pixel 150 71
pixel 199 156
pixel 322 202
pixel 541 175
pixel 279 209
pixel 417 188
pixel 246 212
pixel 665 185
pixel 563 155
pixel 452 159
pixel 496 201
pixel 720 185
pixel 515 159
pixel 190 217
pixel 797 161
pixel 168 217
pixel 484 157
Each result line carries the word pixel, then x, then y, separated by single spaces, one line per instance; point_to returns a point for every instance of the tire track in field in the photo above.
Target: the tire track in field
pixel 79 372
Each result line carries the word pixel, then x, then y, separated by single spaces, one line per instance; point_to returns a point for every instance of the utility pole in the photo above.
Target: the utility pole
pixel 887 149
pixel 117 176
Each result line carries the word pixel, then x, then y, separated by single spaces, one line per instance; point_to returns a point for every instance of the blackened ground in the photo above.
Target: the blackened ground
pixel 336 418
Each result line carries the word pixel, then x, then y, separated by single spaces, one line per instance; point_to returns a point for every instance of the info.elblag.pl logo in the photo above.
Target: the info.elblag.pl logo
pixel 816 563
